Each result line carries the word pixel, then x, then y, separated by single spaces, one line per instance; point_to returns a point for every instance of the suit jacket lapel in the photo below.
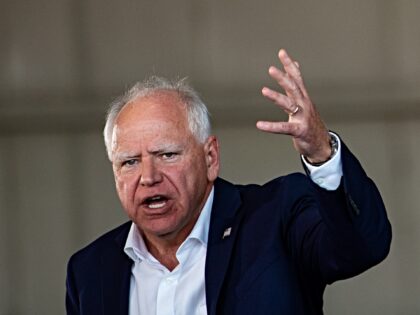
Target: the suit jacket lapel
pixel 224 224
pixel 116 273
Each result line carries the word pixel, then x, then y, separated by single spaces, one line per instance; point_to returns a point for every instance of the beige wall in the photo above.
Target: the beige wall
pixel 62 61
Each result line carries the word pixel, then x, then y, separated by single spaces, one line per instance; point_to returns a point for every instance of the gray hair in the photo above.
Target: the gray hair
pixel 197 113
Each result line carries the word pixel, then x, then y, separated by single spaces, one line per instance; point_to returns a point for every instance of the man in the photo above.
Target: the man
pixel 197 244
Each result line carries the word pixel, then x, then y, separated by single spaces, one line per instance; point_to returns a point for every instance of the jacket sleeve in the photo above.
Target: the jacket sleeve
pixel 339 234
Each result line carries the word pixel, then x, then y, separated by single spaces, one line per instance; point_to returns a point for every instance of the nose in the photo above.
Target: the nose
pixel 150 174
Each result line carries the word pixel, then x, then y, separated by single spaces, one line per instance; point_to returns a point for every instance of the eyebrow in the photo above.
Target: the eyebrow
pixel 122 156
pixel 118 157
pixel 166 147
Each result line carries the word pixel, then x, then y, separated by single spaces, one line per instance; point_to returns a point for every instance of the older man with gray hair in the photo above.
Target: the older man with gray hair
pixel 197 244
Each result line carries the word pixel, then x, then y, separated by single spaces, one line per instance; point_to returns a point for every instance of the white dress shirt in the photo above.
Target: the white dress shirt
pixel 154 290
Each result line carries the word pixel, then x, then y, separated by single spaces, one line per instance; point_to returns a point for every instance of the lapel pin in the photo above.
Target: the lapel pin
pixel 227 232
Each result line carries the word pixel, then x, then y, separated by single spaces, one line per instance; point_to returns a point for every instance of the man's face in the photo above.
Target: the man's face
pixel 163 174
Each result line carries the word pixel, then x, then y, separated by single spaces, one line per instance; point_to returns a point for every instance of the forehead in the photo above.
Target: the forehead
pixel 164 106
pixel 161 115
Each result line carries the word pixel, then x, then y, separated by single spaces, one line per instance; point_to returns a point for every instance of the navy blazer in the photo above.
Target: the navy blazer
pixel 289 239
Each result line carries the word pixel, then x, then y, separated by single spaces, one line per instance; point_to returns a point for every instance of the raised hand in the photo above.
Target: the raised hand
pixel 309 133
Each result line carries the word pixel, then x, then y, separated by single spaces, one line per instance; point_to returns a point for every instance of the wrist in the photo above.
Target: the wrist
pixel 333 148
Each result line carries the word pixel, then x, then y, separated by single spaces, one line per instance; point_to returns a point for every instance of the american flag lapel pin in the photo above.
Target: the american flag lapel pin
pixel 227 232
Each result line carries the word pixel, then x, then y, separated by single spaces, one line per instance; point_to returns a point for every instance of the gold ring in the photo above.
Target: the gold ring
pixel 294 111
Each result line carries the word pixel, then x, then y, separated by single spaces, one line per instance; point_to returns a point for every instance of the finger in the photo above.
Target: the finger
pixel 280 100
pixel 289 85
pixel 292 68
pixel 285 128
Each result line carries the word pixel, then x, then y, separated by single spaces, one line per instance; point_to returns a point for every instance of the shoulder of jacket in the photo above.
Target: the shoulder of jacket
pixel 103 242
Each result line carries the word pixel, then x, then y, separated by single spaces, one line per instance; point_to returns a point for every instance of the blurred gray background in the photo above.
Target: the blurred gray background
pixel 63 61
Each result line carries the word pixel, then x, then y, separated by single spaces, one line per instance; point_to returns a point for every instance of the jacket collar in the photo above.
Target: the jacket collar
pixel 224 224
pixel 116 272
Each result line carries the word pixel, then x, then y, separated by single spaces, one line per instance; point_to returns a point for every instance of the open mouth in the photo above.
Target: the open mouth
pixel 155 202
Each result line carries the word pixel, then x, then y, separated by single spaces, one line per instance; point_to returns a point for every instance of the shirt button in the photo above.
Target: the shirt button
pixel 319 181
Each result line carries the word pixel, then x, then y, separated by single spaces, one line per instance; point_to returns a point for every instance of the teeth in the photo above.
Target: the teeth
pixel 156 202
pixel 156 205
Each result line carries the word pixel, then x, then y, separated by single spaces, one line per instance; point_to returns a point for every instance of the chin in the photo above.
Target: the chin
pixel 160 230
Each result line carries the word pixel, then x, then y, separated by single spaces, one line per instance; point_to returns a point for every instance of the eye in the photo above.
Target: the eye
pixel 130 162
pixel 168 155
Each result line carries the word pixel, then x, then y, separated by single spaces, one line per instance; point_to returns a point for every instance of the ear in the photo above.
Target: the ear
pixel 211 152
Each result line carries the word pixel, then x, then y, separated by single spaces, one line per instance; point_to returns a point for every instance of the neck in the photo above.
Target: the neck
pixel 165 254
pixel 164 247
